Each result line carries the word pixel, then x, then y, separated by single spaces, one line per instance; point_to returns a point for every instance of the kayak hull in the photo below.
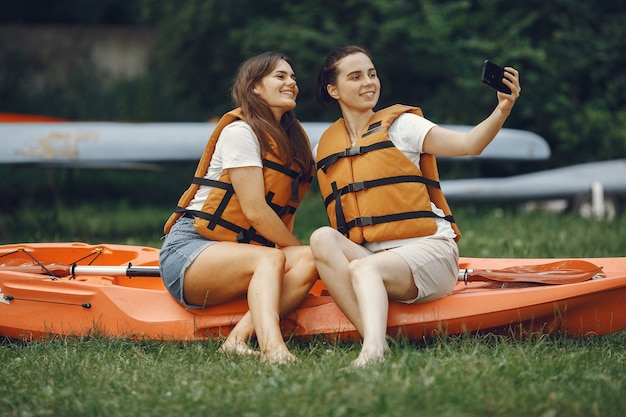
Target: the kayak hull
pixel 36 306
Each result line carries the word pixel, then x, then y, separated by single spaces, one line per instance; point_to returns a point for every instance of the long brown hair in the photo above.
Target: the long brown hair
pixel 327 74
pixel 293 145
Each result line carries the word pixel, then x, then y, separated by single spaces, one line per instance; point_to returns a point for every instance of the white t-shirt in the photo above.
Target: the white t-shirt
pixel 236 147
pixel 407 133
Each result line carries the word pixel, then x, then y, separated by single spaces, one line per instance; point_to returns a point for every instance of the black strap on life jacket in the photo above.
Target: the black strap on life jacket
pixel 408 215
pixel 243 235
pixel 344 227
pixel 297 177
pixel 246 235
pixel 341 219
pixel 215 219
pixel 365 185
pixel 373 128
pixel 325 163
pixel 278 209
pixel 230 191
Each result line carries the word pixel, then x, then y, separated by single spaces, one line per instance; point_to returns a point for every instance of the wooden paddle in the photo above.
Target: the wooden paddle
pixel 560 272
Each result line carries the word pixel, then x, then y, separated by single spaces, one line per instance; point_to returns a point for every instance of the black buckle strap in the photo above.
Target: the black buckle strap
pixel 212 183
pixel 250 235
pixel 374 220
pixel 356 186
pixel 278 209
pixel 363 221
pixel 365 185
pixel 243 235
pixel 298 177
pixel 230 191
pixel 325 163
pixel 339 216
pixel 295 187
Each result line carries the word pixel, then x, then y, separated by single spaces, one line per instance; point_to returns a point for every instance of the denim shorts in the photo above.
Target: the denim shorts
pixel 181 247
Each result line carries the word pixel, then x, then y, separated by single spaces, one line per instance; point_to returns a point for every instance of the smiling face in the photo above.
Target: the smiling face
pixel 357 87
pixel 278 89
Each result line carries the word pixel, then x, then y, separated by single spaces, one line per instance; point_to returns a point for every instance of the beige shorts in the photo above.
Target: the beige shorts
pixel 434 263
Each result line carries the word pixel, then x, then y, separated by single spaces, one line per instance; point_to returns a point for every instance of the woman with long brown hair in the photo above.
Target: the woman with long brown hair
pixel 231 233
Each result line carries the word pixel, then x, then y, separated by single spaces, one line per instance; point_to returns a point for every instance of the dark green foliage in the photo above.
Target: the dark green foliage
pixel 70 12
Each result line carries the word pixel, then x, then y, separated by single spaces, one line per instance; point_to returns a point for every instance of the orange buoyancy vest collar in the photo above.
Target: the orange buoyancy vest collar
pixel 221 217
pixel 372 191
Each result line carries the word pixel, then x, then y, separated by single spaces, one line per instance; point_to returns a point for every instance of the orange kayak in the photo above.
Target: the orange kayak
pixel 46 290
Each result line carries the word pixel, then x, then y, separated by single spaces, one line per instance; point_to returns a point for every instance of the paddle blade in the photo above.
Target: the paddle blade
pixel 29 267
pixel 560 272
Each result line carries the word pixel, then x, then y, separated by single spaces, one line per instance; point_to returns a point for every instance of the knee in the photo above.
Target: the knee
pixel 360 270
pixel 322 240
pixel 354 268
pixel 309 263
pixel 319 236
pixel 273 258
pixel 305 264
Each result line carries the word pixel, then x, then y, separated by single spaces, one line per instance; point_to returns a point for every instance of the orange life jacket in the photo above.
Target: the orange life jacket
pixel 372 191
pixel 221 217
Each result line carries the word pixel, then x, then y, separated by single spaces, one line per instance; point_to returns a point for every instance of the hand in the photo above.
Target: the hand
pixel 511 80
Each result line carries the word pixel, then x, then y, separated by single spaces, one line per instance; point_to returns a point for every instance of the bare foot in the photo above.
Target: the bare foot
pixel 281 357
pixel 369 357
pixel 239 349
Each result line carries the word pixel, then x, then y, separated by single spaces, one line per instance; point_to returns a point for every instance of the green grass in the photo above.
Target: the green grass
pixel 465 375
pixel 487 231
pixel 511 233
pixel 459 376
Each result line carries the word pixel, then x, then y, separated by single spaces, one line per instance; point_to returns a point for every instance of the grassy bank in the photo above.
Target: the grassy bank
pixel 488 231
pixel 455 376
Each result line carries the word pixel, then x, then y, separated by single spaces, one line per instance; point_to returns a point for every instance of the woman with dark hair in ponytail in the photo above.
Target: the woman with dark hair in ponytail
pixel 393 235
pixel 231 234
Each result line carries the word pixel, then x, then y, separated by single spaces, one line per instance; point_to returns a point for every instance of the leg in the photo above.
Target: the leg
pixel 374 279
pixel 218 275
pixel 361 283
pixel 300 275
pixel 332 253
pixel 393 274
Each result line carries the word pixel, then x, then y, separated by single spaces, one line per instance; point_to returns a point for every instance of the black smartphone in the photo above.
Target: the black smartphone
pixel 492 77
